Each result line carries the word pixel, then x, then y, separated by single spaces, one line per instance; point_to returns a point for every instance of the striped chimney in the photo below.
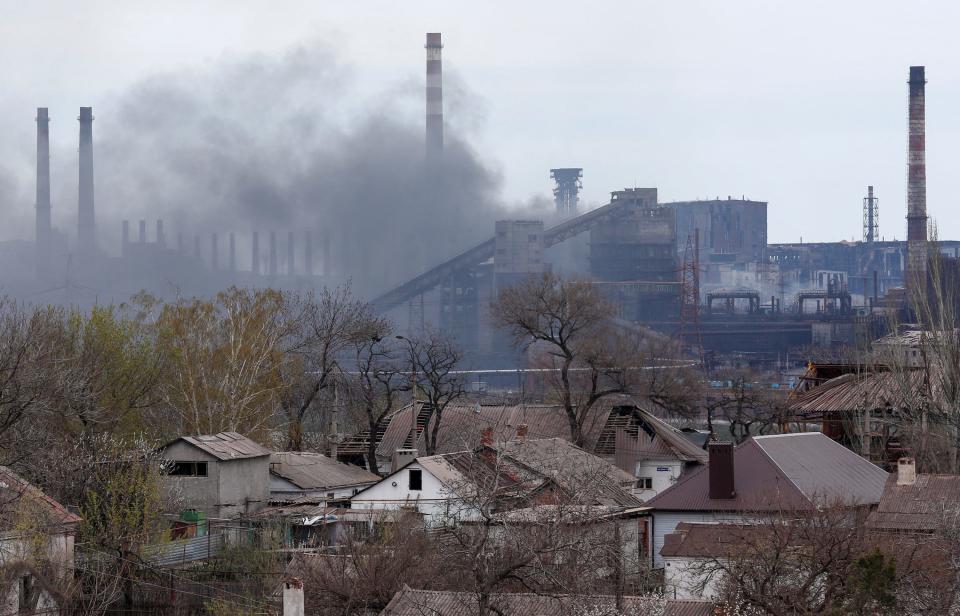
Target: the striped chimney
pixel 916 182
pixel 434 96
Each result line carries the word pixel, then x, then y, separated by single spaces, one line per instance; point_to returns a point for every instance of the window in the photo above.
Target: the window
pixel 189 469
pixel 645 483
pixel 416 479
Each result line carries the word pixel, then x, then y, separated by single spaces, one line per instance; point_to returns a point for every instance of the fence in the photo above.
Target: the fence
pixel 182 551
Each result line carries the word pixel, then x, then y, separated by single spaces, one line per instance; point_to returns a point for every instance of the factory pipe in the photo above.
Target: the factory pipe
pixel 434 93
pixel 43 224
pixel 87 239
pixel 916 181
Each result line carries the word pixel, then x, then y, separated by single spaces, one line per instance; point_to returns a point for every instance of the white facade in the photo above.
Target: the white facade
pixel 661 474
pixel 25 592
pixel 434 499
pixel 683 578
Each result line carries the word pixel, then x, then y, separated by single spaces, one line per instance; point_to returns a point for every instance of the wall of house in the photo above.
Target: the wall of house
pixel 683 577
pixel 59 551
pixel 665 522
pixel 200 493
pixel 244 485
pixel 431 501
pixel 664 474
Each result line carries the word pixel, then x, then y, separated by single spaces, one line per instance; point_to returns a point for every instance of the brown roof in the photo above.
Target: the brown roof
pixel 463 423
pixel 691 540
pixel 225 445
pixel 861 391
pixel 787 470
pixel 18 495
pixel 314 471
pixel 409 602
pixel 922 506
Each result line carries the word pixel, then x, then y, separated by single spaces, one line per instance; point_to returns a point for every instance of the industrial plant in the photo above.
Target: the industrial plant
pixel 701 270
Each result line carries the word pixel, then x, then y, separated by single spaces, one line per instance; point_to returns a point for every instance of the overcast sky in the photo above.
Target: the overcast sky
pixel 799 104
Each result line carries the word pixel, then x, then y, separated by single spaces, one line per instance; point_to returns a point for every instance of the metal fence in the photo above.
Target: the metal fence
pixel 183 551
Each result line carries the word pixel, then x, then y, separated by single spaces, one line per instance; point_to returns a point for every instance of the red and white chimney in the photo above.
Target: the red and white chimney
pixel 434 96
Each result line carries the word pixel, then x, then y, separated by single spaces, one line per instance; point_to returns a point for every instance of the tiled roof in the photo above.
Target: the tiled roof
pixel 409 602
pixel 923 506
pixel 18 495
pixel 783 471
pixel 314 471
pixel 226 445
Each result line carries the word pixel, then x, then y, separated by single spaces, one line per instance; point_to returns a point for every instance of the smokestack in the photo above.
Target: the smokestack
pixel 290 253
pixel 233 253
pixel 308 254
pixel 142 235
pixel 180 244
pixel 434 96
pixel 255 268
pixel 43 225
pixel 326 254
pixel 125 241
pixel 87 238
pixel 916 182
pixel 720 469
pixel 161 238
pixel 214 253
pixel 273 253
pixel 870 222
pixel 196 247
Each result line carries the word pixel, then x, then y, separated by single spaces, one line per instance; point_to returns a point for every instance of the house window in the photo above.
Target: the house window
pixel 416 479
pixel 645 483
pixel 189 469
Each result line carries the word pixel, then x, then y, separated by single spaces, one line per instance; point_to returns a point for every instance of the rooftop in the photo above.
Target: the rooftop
pixel 18 496
pixel 225 445
pixel 789 470
pixel 314 471
pixel 922 506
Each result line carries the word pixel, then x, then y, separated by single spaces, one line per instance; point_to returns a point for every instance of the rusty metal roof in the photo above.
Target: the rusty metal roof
pixel 226 445
pixel 409 602
pixel 862 391
pixel 315 471
pixel 923 506
pixel 792 471
pixel 14 490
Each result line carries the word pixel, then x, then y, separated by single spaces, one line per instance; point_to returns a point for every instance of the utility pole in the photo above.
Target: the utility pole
pixel 334 420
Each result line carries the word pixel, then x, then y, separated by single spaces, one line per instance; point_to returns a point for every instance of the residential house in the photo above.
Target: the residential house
pixel 511 475
pixel 36 548
pixel 301 476
pixel 690 552
pixel 917 504
pixel 222 475
pixel 410 602
pixel 763 474
pixel 649 442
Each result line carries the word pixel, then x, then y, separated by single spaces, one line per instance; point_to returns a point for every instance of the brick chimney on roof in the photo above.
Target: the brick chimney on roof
pixel 906 472
pixel 720 469
pixel 486 436
pixel 522 432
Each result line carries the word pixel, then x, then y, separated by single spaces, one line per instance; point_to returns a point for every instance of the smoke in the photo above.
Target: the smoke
pixel 286 143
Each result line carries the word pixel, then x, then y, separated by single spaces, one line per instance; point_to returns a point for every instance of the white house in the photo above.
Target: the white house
pixel 765 473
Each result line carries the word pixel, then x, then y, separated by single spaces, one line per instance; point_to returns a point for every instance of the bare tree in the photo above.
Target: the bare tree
pixel 433 359
pixel 747 408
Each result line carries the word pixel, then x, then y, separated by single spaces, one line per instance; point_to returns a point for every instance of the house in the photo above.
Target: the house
pixel 917 504
pixel 36 548
pixel 765 473
pixel 222 475
pixel 511 475
pixel 410 602
pixel 301 476
pixel 688 552
pixel 659 444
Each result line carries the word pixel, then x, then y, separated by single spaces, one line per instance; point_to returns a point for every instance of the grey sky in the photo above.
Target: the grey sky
pixel 800 104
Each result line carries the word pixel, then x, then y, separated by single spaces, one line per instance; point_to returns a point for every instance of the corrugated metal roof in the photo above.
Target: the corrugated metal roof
pixel 923 506
pixel 409 602
pixel 314 471
pixel 709 540
pixel 226 445
pixel 863 391
pixel 671 438
pixel 783 471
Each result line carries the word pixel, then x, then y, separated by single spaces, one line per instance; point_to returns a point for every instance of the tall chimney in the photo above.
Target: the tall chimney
pixel 255 265
pixel 870 222
pixel 43 225
pixel 720 469
pixel 308 254
pixel 434 96
pixel 142 235
pixel 233 253
pixel 180 244
pixel 125 241
pixel 327 266
pixel 87 234
pixel 161 237
pixel 915 277
pixel 273 253
pixel 196 246
pixel 214 253
pixel 290 253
